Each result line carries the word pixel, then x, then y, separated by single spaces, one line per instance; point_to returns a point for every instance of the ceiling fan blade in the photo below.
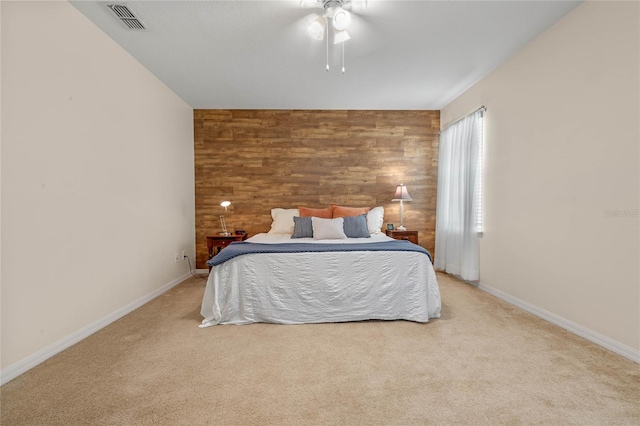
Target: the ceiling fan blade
pixel 310 4
pixel 359 6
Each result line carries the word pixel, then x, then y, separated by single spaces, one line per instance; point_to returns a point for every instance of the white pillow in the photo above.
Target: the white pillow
pixel 328 229
pixel 283 220
pixel 375 218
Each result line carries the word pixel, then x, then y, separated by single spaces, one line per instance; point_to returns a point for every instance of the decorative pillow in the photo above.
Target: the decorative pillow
pixel 283 220
pixel 302 227
pixel 356 226
pixel 328 229
pixel 375 219
pixel 342 211
pixel 325 213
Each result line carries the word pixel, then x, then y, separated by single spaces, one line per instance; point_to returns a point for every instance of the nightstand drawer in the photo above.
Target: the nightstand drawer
pixel 403 235
pixel 221 243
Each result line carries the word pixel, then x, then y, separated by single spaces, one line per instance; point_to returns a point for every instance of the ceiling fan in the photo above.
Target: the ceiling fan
pixel 337 13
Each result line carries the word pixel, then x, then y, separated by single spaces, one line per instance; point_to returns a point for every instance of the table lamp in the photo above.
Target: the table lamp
pixel 224 232
pixel 401 195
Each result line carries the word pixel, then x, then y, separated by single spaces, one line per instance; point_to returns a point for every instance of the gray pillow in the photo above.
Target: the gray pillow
pixel 302 227
pixel 356 226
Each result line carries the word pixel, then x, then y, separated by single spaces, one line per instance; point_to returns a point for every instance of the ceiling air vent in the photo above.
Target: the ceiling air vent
pixel 127 16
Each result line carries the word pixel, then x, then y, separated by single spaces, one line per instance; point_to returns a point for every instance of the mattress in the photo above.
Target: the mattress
pixel 316 287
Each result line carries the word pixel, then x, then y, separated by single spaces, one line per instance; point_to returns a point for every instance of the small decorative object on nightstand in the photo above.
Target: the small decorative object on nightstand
pixel 403 235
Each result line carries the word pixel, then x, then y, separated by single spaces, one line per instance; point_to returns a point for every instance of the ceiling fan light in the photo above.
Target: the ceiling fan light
pixel 317 27
pixel 341 19
pixel 341 37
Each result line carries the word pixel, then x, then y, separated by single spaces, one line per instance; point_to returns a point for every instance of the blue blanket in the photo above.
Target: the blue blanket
pixel 240 248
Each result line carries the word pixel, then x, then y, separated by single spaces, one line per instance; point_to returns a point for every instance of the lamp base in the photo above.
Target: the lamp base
pixel 225 234
pixel 401 228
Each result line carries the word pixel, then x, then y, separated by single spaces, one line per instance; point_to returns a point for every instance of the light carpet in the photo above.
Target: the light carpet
pixel 483 362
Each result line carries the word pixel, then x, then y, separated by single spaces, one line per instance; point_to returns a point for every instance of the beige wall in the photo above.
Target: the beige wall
pixel 562 138
pixel 97 178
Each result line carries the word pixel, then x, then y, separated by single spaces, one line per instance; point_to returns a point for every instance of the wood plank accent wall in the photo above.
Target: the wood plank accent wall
pixel 260 159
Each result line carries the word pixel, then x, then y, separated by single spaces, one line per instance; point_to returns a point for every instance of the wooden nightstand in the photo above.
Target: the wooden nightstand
pixel 218 242
pixel 403 235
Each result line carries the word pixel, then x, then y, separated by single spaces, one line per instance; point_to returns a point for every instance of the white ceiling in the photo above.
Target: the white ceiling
pixel 258 55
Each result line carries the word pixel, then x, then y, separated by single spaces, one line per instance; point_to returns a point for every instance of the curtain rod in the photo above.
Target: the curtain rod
pixel 482 108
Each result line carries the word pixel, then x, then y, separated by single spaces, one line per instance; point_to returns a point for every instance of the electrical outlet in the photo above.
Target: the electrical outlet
pixel 176 258
pixel 184 254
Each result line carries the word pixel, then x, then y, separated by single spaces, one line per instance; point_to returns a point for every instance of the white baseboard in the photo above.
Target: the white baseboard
pixel 31 361
pixel 597 338
pixel 204 272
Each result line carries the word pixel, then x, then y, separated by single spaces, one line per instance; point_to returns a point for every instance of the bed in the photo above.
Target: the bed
pixel 274 278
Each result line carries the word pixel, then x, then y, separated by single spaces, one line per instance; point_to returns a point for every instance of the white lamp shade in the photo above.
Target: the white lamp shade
pixel 317 27
pixel 340 37
pixel 401 194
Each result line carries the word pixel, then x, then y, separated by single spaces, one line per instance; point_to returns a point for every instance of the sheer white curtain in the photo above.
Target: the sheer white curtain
pixel 458 214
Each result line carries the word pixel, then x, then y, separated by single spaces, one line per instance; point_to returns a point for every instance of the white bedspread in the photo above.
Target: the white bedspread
pixel 294 288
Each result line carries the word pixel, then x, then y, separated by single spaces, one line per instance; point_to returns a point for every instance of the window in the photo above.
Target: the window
pixel 459 205
pixel 477 202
